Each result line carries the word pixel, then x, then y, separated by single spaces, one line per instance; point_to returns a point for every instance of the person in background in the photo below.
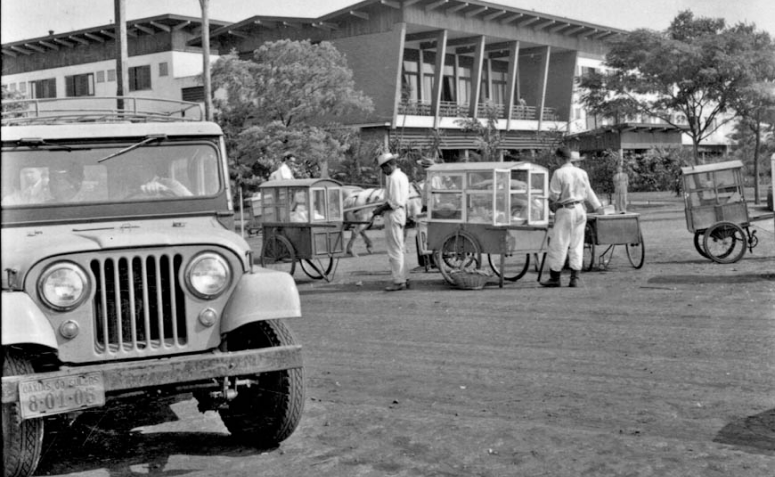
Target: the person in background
pixel 283 171
pixel 394 208
pixel 65 183
pixel 568 190
pixel 33 189
pixel 621 182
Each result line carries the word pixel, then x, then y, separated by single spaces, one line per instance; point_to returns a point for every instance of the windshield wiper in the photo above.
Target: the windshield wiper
pixel 36 142
pixel 148 139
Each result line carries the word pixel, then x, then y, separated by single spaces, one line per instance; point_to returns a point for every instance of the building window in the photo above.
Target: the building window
pixel 79 85
pixel 163 69
pixel 100 77
pixel 111 75
pixel 46 88
pixel 22 87
pixel 139 78
pixel 194 94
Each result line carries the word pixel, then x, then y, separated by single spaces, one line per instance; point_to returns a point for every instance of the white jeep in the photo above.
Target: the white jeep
pixel 121 274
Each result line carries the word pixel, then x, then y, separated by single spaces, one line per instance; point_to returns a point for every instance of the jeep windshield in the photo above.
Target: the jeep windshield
pixel 134 179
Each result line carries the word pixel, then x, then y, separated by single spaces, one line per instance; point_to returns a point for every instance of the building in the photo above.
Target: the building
pixel 82 64
pixel 428 63
pixel 425 63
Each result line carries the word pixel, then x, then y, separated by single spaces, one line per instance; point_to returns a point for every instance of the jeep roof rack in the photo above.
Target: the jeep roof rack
pixel 102 109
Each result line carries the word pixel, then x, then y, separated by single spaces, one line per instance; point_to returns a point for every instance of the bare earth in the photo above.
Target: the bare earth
pixel 664 371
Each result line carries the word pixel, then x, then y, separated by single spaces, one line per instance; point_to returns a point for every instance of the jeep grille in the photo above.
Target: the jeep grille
pixel 139 303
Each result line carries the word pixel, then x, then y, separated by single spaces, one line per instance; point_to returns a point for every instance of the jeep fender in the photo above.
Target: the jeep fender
pixel 262 295
pixel 23 322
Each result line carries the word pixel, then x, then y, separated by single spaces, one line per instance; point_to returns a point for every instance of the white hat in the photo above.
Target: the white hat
pixel 385 157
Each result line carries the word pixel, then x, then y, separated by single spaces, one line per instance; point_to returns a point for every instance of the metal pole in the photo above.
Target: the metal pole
pixel 122 54
pixel 206 58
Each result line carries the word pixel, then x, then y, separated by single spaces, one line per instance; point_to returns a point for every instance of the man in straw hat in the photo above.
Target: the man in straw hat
pixel 394 208
pixel 568 189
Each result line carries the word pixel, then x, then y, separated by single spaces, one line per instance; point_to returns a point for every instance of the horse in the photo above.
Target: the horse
pixel 360 203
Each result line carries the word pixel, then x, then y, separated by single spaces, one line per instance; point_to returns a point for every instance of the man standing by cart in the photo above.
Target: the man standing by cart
pixel 396 198
pixel 568 190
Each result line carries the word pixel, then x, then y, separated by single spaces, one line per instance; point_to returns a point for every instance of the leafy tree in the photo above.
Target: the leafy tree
pixel 12 110
pixel 697 68
pixel 756 110
pixel 488 138
pixel 285 99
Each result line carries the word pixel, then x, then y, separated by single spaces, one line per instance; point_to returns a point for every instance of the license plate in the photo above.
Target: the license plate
pixel 41 397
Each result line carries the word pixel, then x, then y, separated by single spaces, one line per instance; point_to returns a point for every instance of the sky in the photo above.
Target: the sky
pixel 24 19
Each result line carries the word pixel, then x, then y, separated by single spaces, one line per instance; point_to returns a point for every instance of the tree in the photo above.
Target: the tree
pixel 488 139
pixel 287 98
pixel 697 68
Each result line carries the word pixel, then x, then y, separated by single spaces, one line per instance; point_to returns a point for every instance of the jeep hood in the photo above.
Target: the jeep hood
pixel 23 247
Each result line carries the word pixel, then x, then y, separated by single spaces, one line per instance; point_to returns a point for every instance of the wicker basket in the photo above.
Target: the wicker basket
pixel 469 281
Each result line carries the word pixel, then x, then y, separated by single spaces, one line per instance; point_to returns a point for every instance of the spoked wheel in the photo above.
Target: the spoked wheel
pixel 698 237
pixel 458 251
pixel 22 440
pixel 514 265
pixel 636 252
pixel 725 242
pixel 277 254
pixel 318 268
pixel 588 257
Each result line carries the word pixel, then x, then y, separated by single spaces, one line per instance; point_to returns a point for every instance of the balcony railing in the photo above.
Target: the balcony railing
pixel 450 109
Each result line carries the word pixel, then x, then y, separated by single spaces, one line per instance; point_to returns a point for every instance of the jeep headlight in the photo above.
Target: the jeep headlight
pixel 208 275
pixel 63 286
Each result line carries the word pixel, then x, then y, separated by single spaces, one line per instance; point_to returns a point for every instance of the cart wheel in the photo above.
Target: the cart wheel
pixel 588 257
pixel 725 242
pixel 318 268
pixel 636 252
pixel 514 267
pixel 458 251
pixel 277 253
pixel 698 236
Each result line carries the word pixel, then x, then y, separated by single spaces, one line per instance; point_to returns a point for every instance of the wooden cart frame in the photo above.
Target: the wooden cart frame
pixel 608 231
pixel 302 221
pixel 495 208
pixel 716 211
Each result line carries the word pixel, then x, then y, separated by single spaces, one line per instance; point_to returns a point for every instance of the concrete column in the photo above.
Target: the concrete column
pixel 441 51
pixel 476 78
pixel 511 81
pixel 544 76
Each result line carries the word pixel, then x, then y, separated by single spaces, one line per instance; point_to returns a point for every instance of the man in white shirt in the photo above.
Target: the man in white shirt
pixel 394 208
pixel 283 172
pixel 568 189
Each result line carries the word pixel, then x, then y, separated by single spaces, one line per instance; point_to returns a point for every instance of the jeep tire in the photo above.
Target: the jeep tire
pixel 22 440
pixel 264 415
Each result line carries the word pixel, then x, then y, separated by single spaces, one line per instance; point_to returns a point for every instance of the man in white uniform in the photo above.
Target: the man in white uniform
pixel 568 189
pixel 394 208
pixel 283 172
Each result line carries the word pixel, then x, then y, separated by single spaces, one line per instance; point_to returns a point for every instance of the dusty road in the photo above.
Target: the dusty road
pixel 664 371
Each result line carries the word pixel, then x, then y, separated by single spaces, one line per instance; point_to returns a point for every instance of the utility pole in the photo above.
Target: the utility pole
pixel 206 58
pixel 122 55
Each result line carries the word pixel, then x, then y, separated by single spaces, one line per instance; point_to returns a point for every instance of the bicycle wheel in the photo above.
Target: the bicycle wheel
pixel 725 242
pixel 698 236
pixel 458 251
pixel 277 253
pixel 318 268
pixel 514 267
pixel 636 252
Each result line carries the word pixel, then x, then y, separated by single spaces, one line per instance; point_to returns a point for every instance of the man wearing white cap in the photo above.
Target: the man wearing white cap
pixel 394 208
pixel 569 189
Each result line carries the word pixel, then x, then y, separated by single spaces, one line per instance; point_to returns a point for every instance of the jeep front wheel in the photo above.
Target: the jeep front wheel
pixel 22 440
pixel 267 412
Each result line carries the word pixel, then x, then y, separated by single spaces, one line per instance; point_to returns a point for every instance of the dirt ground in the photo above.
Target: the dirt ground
pixel 664 371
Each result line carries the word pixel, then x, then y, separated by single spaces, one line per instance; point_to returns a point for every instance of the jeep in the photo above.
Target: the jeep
pixel 122 274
